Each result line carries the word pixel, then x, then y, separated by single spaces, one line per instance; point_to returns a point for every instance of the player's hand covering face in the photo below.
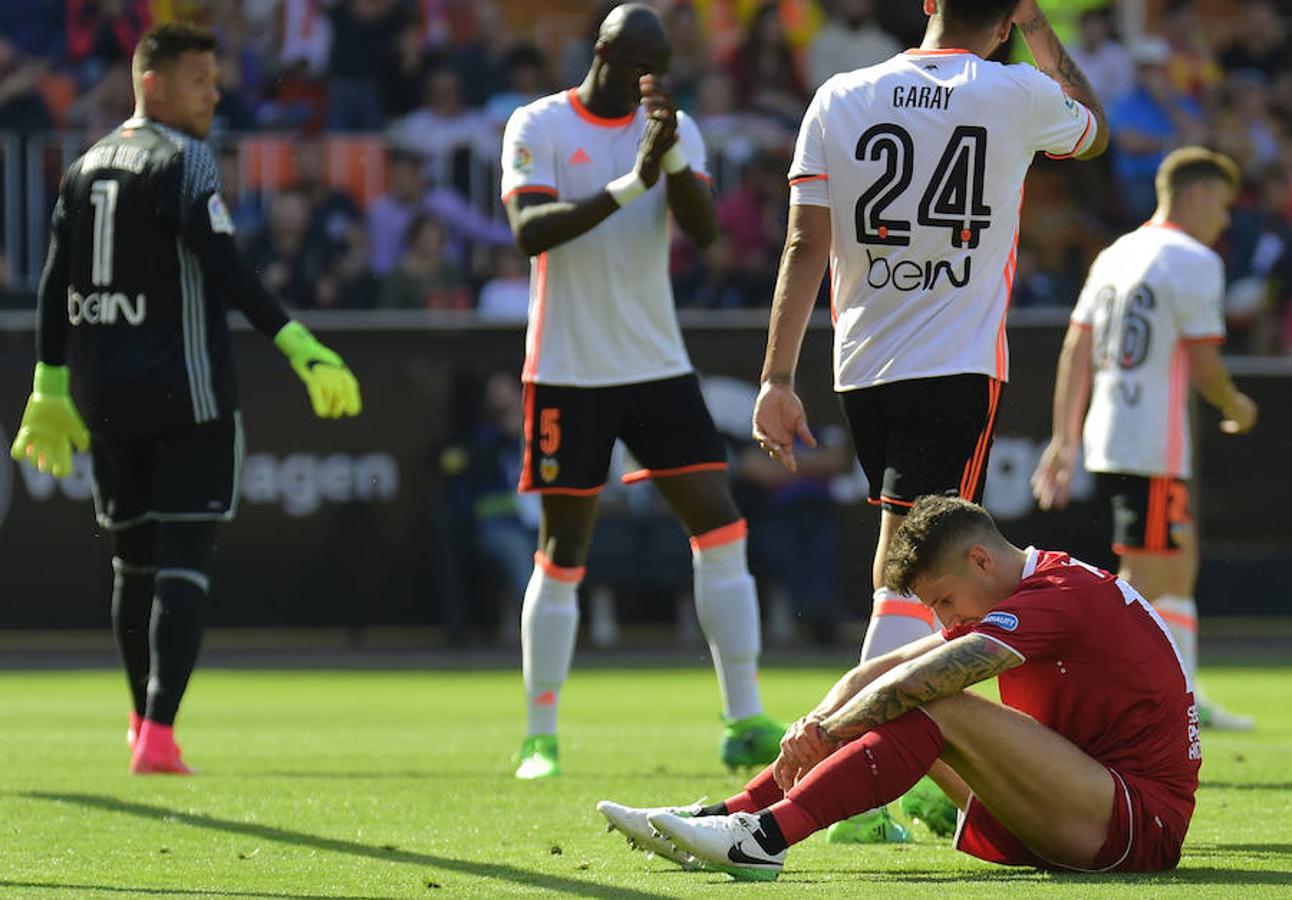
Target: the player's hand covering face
pixel 333 389
pixel 51 427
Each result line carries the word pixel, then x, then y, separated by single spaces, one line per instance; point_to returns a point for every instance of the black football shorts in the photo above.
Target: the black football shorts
pixel 571 431
pixel 923 436
pixel 1149 512
pixel 186 475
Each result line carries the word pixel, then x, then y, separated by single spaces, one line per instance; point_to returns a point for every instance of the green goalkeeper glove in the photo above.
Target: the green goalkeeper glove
pixel 332 387
pixel 51 426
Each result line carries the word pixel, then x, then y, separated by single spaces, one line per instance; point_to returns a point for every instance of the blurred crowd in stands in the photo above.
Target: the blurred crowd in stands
pixel 359 139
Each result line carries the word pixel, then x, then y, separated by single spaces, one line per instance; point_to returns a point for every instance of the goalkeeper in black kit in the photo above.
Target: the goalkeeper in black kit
pixel 133 364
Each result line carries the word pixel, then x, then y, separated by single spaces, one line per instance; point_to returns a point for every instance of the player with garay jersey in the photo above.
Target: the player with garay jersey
pixel 907 180
pixel 1089 763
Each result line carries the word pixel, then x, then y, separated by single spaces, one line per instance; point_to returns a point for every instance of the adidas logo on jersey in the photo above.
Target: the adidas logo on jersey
pixel 105 308
pixel 580 157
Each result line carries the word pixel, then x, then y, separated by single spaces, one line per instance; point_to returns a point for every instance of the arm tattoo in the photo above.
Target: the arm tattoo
pixel 939 673
pixel 1065 70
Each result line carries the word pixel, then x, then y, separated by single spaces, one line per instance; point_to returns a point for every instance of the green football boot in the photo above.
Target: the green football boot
pixel 874 827
pixel 752 741
pixel 538 757
pixel 1214 717
pixel 926 803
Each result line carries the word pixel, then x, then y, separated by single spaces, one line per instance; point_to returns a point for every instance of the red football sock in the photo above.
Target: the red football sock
pixel 759 794
pixel 878 767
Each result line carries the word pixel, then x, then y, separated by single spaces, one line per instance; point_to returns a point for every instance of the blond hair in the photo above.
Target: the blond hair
pixel 1190 165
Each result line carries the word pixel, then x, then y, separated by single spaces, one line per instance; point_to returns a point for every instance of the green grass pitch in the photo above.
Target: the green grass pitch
pixel 398 784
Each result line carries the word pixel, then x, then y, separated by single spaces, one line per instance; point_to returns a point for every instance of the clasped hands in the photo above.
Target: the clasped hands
pixel 804 745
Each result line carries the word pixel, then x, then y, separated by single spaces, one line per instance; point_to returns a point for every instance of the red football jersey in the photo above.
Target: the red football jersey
pixel 1100 668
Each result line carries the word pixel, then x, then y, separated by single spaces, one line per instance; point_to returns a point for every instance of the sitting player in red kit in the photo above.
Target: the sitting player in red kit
pixel 1089 762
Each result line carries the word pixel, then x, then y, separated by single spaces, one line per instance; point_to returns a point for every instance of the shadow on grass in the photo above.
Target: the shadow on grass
pixel 171 892
pixel 497 871
pixel 1185 875
pixel 1246 785
pixel 1271 851
pixel 458 775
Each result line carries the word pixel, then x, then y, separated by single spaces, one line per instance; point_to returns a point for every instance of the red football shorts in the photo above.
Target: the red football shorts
pixel 1145 834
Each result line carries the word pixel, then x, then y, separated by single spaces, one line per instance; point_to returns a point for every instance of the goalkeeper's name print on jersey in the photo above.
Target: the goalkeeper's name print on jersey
pixel 921 161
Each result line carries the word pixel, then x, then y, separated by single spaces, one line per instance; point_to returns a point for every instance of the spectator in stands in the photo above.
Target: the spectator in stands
pixel 246 208
pixel 332 211
pixel 425 277
pixel 526 82
pixel 481 63
pixel 305 37
pixel 1033 286
pixel 1247 94
pixel 576 53
pixel 35 29
pixel 691 57
pixel 234 111
pixel 364 33
pixel 390 214
pixel 445 129
pixel 412 193
pixel 10 296
pixel 1258 266
pixel 1105 61
pixel 282 256
pixel 1147 124
pixel 106 105
pixel 404 71
pixel 103 32
pixel 794 532
pixel 349 282
pixel 506 522
pixel 505 296
pixel 709 278
pixel 765 73
pixel 21 106
pixel 753 218
pixel 1261 42
pixel 1192 67
pixel 851 39
pixel 732 135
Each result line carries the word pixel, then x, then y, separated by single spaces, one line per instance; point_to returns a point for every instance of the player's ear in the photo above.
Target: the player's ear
pixel 930 7
pixel 152 85
pixel 980 559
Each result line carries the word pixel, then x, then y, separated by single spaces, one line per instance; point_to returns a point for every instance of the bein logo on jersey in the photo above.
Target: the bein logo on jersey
pixel 105 308
pixel 908 275
pixel 1004 620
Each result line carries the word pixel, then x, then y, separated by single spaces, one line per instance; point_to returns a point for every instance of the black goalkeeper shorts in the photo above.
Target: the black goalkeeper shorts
pixel 187 475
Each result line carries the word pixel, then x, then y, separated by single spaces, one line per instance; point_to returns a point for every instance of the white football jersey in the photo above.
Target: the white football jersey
pixel 600 306
pixel 1148 295
pixel 921 161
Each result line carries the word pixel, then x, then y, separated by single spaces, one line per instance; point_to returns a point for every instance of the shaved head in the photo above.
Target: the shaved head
pixel 635 27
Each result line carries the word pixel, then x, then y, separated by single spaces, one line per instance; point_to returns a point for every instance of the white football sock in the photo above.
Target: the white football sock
pixel 726 603
pixel 1181 617
pixel 895 621
pixel 549 622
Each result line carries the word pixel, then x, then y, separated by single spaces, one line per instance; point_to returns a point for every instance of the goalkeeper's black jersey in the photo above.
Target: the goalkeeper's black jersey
pixel 135 283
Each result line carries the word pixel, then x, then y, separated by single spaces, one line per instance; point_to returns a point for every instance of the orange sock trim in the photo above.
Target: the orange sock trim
pixel 727 534
pixel 913 609
pixel 1188 623
pixel 560 573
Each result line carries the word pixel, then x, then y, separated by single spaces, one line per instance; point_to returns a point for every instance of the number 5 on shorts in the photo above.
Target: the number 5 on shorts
pixel 549 431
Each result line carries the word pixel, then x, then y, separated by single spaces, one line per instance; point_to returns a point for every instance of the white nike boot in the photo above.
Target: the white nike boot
pixel 734 844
